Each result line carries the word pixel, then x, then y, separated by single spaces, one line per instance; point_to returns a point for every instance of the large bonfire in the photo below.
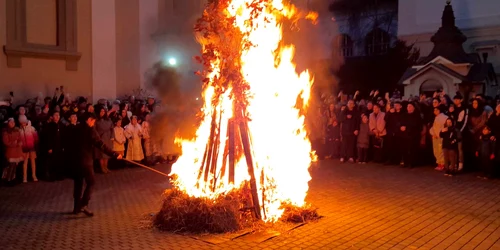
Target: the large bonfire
pixel 252 133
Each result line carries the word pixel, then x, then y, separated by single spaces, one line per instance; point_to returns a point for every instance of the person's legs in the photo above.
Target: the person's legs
pixel 77 192
pixel 453 156
pixel 435 148
pixel 89 185
pixel 33 165
pixel 344 147
pixel 360 154
pixel 25 167
pixel 351 147
pixel 447 166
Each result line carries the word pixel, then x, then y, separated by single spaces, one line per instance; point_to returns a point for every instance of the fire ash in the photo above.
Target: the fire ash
pixel 252 123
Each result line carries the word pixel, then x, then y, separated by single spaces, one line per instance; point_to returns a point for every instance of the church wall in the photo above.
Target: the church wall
pixel 424 16
pixel 422 41
pixel 413 88
pixel 37 75
pixel 366 25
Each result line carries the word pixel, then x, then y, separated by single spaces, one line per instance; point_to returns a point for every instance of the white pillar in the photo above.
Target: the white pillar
pixel 103 49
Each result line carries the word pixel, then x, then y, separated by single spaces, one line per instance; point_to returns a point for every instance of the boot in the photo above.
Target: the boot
pixel 76 207
pixel 86 211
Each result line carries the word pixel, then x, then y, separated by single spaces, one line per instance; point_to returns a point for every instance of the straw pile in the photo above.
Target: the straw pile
pixel 184 214
pixel 299 214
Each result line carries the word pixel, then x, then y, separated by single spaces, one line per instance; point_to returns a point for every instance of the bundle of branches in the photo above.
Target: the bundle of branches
pixel 299 214
pixel 185 214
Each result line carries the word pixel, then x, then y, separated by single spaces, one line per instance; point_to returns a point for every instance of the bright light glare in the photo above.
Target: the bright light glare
pixel 172 61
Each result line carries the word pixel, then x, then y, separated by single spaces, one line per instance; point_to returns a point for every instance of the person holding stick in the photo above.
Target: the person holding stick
pixel 87 140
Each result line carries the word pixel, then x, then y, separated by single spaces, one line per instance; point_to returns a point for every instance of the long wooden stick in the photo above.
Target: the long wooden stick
pixel 146 167
pixel 231 147
pixel 245 139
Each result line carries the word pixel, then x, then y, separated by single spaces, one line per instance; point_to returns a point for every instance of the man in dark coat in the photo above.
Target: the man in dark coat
pixel 394 141
pixel 70 143
pixel 349 119
pixel 411 128
pixel 87 140
pixel 53 138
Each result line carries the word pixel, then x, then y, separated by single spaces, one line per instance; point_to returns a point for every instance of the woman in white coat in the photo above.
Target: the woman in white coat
pixel 133 132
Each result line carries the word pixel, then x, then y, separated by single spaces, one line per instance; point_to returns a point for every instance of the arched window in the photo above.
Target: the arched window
pixel 377 42
pixel 430 86
pixel 345 45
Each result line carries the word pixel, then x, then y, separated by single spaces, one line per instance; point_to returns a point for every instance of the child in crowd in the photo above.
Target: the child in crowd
pixel 29 139
pixel 363 140
pixel 486 153
pixel 133 132
pixel 333 139
pixel 450 148
pixel 118 138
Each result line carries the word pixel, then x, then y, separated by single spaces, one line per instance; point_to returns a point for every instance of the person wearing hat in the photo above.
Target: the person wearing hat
pixel 87 141
pixel 13 150
pixel 29 137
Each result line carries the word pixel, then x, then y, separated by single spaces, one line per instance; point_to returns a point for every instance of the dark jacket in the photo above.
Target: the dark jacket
pixel 349 125
pixel 87 140
pixel 333 132
pixel 486 147
pixel 364 136
pixel 71 138
pixel 460 117
pixel 54 133
pixel 449 139
pixel 413 123
pixel 393 123
pixel 494 124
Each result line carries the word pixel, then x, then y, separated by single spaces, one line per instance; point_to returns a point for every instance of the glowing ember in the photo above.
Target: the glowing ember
pixel 268 101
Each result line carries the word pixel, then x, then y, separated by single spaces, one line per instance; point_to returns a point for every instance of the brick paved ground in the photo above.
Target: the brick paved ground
pixel 365 207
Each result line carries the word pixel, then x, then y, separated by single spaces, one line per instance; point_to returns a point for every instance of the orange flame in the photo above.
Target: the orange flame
pixel 281 148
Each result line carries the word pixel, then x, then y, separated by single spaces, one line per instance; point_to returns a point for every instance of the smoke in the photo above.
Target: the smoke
pixel 316 46
pixel 176 117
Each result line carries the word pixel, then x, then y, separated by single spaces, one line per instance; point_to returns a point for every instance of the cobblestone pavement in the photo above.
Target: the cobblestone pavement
pixel 364 207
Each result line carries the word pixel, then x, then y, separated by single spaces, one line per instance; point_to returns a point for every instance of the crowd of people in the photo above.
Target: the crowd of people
pixel 42 134
pixel 450 132
pixel 454 134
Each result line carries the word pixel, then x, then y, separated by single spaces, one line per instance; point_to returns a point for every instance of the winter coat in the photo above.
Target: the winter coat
pixel 477 122
pixel 13 144
pixel 494 124
pixel 393 122
pixel 104 128
pixel 377 123
pixel 134 146
pixel 350 121
pixel 333 132
pixel 70 142
pixel 450 140
pixel 413 123
pixel 54 136
pixel 364 135
pixel 461 116
pixel 438 124
pixel 486 147
pixel 29 137
pixel 87 140
pixel 119 139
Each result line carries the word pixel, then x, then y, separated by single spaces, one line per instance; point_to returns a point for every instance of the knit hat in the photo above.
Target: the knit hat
pixel 23 119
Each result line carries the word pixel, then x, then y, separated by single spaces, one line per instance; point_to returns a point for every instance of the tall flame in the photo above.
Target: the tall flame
pixel 281 149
